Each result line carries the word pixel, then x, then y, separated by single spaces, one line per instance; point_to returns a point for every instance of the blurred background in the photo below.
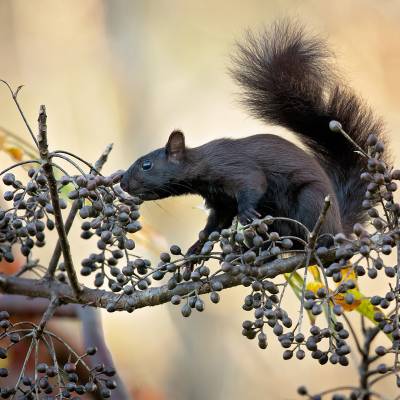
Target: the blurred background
pixel 129 72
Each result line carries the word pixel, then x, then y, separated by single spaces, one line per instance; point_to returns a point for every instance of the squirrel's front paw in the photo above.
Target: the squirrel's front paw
pixel 194 249
pixel 248 215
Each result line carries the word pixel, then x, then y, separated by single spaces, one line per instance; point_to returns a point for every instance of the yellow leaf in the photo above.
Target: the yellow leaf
pixel 2 139
pixel 15 152
pixel 314 271
pixel 348 274
pixel 314 286
pixel 340 299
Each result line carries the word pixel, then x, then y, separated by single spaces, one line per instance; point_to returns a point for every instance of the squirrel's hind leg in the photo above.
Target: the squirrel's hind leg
pixel 220 217
pixel 247 204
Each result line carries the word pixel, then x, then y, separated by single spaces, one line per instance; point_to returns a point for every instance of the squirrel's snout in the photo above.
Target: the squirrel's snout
pixel 128 184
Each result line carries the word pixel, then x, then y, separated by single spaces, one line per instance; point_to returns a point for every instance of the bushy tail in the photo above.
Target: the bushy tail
pixel 287 79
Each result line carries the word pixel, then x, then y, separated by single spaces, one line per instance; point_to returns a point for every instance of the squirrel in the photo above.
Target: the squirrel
pixel 288 80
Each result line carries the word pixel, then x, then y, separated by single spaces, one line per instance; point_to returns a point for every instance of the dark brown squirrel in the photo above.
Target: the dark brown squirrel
pixel 288 80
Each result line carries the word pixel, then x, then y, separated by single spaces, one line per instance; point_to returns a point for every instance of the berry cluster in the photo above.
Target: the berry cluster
pixel 25 221
pixel 111 215
pixel 71 380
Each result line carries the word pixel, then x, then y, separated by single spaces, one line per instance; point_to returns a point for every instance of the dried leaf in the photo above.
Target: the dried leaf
pixel 340 299
pixel 17 91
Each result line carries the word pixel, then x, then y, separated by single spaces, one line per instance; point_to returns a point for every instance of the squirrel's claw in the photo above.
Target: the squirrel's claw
pixel 248 215
pixel 195 248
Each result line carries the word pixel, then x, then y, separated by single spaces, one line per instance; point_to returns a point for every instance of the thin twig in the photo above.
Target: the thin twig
pixel 379 378
pixel 48 170
pixel 18 165
pixel 312 240
pixel 55 258
pixel 22 372
pixel 303 290
pixel 353 332
pixel 336 389
pixel 54 303
pixel 336 126
pixel 318 225
pixel 93 336
pixel 14 95
pixel 92 167
pixel 397 289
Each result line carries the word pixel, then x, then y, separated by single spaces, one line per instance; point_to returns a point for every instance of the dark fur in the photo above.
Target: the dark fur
pixel 287 80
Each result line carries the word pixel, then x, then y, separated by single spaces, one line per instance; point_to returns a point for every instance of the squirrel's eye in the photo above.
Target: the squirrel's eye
pixel 146 165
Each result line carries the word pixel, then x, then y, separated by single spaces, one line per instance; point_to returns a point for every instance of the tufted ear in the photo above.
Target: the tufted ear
pixel 175 147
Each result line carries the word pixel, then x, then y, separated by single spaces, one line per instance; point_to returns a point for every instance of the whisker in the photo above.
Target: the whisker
pixel 183 186
pixel 162 208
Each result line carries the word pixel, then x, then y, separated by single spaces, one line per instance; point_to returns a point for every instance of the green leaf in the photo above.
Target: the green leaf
pixel 296 282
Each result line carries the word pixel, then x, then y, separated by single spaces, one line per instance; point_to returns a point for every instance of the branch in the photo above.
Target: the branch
pixel 55 258
pixel 315 232
pixel 93 336
pixel 48 314
pixel 30 307
pixel 150 297
pixel 48 170
pixel 98 165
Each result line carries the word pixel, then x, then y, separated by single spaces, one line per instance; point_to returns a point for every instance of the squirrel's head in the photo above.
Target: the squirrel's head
pixel 157 174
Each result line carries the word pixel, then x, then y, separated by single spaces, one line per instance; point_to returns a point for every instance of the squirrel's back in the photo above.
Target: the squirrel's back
pixel 288 79
pixel 271 153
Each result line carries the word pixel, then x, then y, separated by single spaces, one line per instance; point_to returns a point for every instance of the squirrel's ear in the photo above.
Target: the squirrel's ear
pixel 175 147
